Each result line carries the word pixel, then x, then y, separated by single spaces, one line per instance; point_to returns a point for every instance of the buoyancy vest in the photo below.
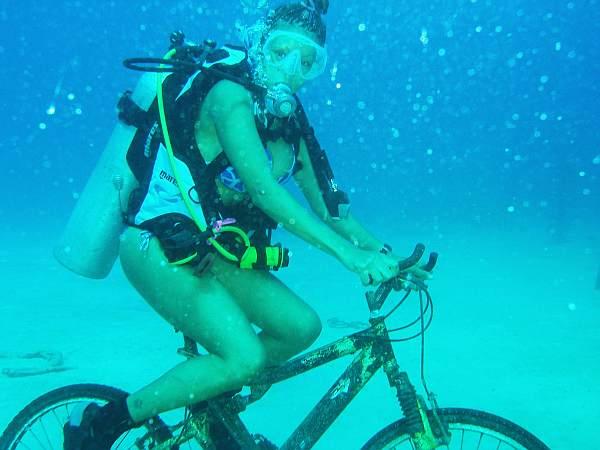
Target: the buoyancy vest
pixel 157 205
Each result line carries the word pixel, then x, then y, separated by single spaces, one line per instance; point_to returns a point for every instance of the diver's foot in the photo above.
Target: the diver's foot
pixel 78 432
pixel 92 427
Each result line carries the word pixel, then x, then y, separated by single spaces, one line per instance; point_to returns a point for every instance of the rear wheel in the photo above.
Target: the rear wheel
pixel 40 424
pixel 470 430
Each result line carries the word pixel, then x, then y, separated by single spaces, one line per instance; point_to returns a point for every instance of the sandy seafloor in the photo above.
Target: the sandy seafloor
pixel 516 333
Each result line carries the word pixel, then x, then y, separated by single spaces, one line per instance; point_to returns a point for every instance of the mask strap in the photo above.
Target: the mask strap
pixel 318 6
pixel 310 5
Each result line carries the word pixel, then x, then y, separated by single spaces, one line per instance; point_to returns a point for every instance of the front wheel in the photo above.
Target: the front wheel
pixel 470 430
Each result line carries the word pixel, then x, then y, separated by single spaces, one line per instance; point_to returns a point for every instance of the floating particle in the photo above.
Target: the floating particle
pixel 51 110
pixel 334 71
pixel 596 160
pixel 543 116
pixel 362 27
pixel 572 306
pixel 441 51
pixel 429 151
pixel 424 38
pixel 478 29
pixel 71 96
pixel 42 126
pixel 581 173
pixel 557 46
pixel 586 191
pixel 396 134
pixel 544 79
pixel 361 105
pixel 498 29
pixel 511 209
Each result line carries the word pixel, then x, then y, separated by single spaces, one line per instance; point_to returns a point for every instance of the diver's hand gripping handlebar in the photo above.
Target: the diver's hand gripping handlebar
pixel 376 299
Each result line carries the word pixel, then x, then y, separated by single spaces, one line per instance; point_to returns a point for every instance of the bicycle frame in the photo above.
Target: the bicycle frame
pixel 373 352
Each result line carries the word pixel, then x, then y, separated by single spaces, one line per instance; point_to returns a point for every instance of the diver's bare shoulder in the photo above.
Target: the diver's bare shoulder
pixel 227 96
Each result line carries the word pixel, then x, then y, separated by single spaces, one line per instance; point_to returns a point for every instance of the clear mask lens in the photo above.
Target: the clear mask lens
pixel 295 54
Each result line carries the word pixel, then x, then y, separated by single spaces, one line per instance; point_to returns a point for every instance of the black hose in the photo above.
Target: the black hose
pixel 154 65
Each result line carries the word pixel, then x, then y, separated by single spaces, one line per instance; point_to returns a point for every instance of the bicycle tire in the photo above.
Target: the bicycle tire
pixel 53 403
pixel 479 424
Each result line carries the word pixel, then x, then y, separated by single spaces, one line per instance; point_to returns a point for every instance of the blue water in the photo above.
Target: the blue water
pixel 466 111
pixel 440 115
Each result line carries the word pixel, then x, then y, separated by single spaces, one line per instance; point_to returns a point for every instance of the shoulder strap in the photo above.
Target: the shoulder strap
pixel 336 200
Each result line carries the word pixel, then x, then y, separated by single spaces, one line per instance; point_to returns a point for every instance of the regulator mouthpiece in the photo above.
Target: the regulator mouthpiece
pixel 280 101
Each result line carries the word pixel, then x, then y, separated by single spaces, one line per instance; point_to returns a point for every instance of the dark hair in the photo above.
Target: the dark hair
pixel 298 14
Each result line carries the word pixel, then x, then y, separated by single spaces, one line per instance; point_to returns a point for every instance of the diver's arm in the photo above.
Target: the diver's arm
pixel 347 227
pixel 234 123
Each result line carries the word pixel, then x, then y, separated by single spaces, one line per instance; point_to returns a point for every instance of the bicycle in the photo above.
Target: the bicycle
pixel 215 424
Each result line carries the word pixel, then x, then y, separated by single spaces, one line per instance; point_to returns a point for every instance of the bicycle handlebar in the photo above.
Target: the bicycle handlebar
pixel 376 299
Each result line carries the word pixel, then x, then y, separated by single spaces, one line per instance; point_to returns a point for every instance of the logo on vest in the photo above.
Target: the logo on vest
pixel 170 178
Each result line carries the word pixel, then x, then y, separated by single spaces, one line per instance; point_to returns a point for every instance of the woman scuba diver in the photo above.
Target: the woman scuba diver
pixel 206 294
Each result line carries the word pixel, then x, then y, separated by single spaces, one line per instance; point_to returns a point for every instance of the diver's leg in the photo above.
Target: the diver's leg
pixel 202 309
pixel 289 325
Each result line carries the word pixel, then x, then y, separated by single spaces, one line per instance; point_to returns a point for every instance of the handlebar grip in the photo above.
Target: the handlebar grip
pixel 412 259
pixel 433 257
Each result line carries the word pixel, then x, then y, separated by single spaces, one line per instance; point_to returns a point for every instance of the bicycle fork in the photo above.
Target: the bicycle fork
pixel 428 431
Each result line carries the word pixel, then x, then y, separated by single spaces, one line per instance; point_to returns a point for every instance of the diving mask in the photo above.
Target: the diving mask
pixel 295 54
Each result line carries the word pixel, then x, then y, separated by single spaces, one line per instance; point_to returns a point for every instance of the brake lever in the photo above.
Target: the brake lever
pixel 433 257
pixel 412 259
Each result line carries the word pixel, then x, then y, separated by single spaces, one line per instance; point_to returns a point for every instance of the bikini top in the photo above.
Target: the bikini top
pixel 231 179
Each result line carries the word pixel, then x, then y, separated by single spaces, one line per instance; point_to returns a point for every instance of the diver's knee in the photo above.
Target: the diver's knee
pixel 248 364
pixel 309 329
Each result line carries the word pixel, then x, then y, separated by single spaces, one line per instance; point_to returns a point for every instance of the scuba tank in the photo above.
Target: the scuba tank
pixel 89 245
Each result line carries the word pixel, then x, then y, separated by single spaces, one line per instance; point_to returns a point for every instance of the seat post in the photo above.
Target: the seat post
pixel 189 349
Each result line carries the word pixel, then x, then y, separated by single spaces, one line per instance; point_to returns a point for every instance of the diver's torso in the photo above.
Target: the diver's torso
pixel 209 145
